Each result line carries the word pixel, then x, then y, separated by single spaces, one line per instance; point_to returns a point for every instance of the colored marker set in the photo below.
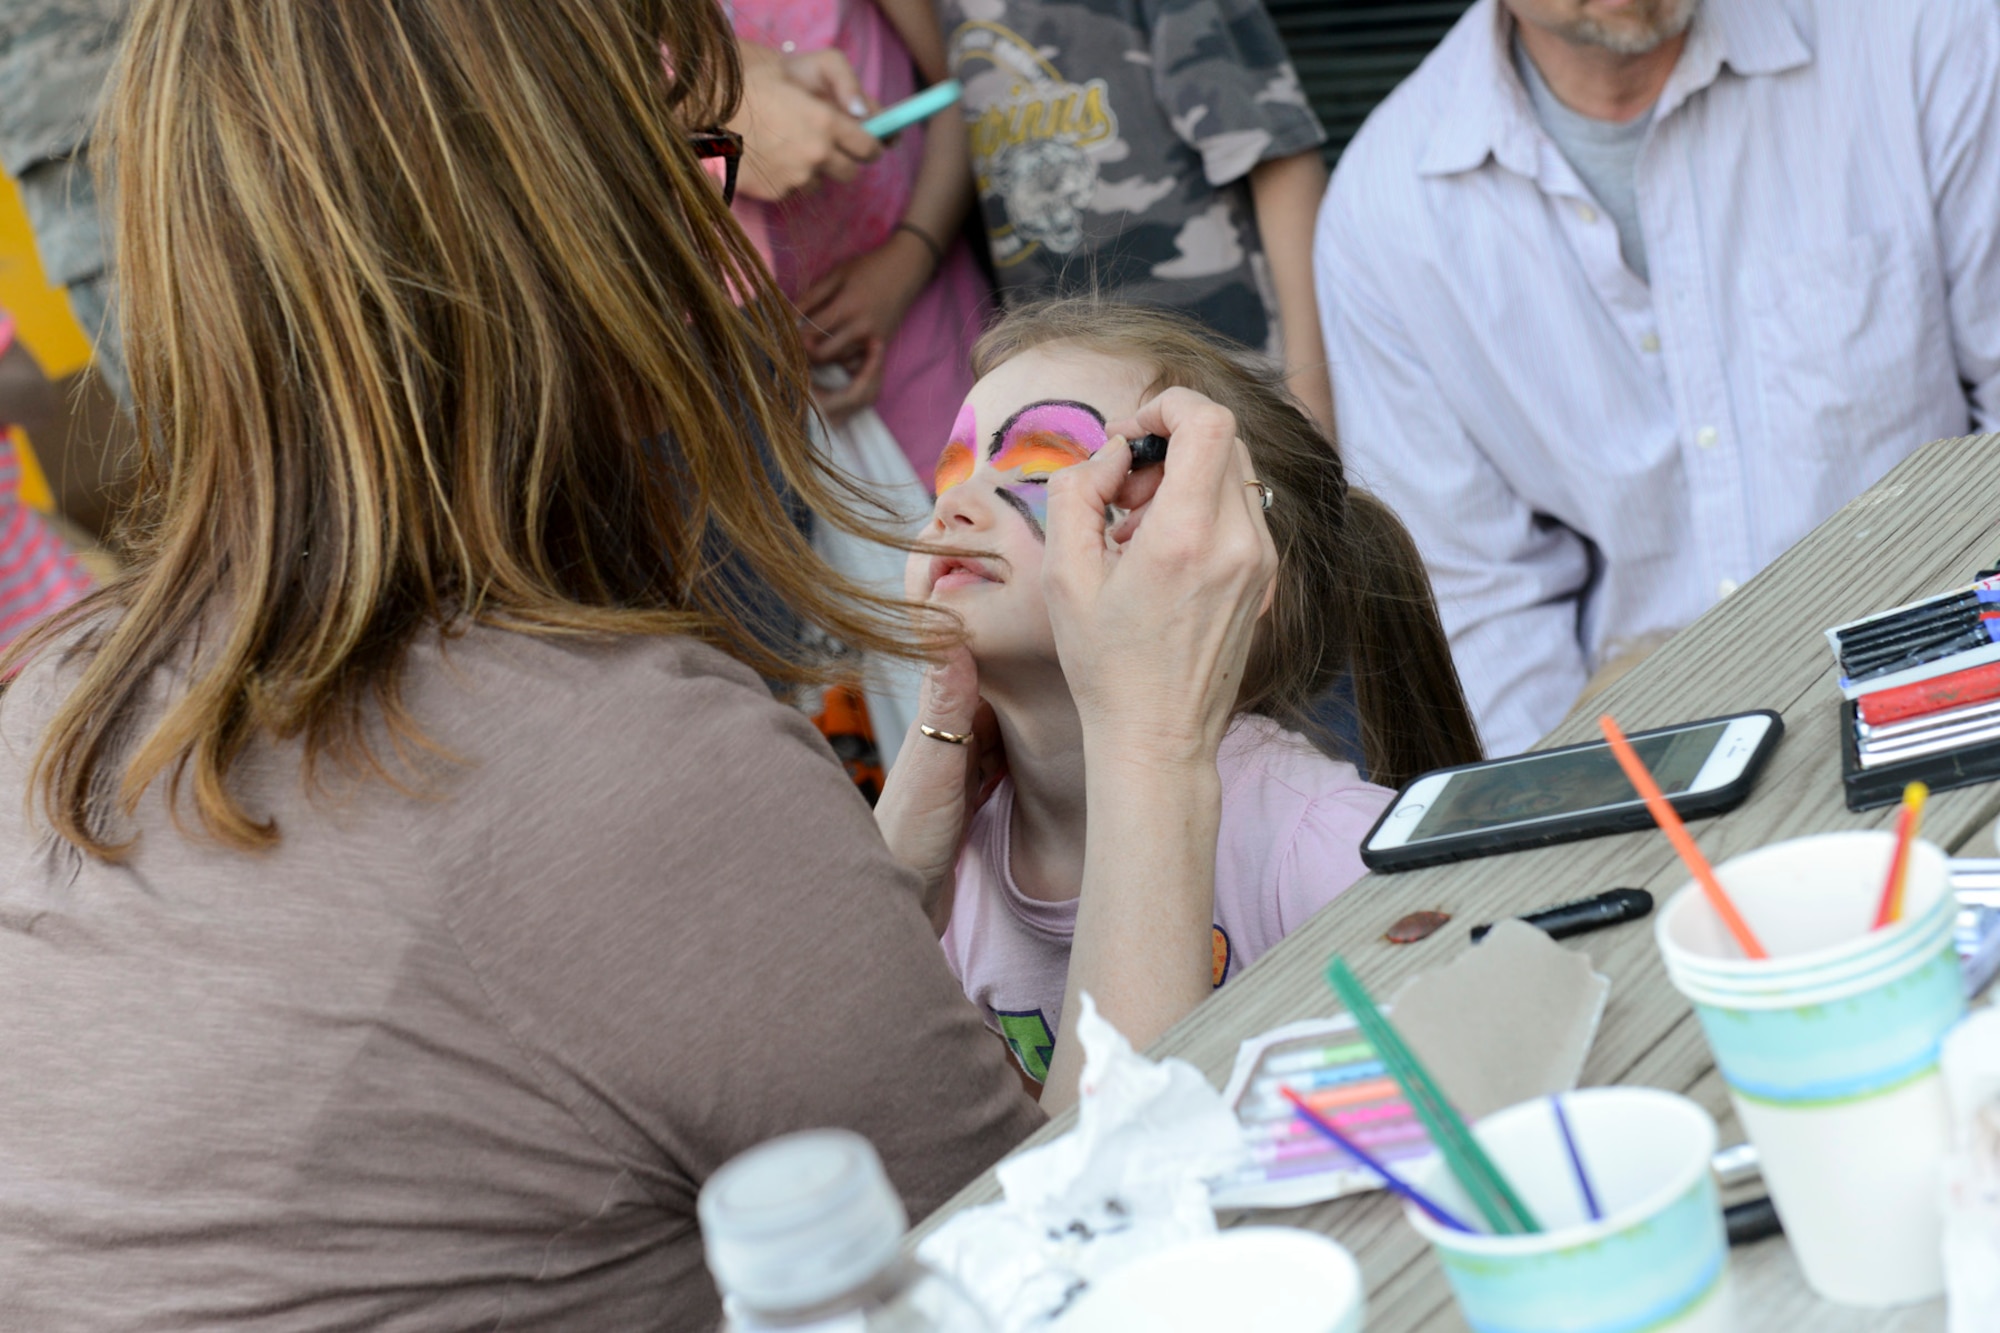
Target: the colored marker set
pixel 1922 684
pixel 1333 1072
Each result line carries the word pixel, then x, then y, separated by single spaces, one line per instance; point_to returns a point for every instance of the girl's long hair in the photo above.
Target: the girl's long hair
pixel 1352 599
pixel 433 318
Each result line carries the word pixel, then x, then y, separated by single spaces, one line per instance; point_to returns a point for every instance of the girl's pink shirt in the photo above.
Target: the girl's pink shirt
pixel 926 371
pixel 1289 844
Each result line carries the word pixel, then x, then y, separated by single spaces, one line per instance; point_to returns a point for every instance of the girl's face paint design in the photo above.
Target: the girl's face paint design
pixel 960 454
pixel 1031 446
pixel 1039 441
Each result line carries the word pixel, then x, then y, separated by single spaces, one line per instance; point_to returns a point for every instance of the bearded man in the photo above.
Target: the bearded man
pixel 1623 297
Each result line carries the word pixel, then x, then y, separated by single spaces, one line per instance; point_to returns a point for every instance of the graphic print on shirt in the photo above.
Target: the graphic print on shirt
pixel 1032 147
pixel 1218 944
pixel 1028 1036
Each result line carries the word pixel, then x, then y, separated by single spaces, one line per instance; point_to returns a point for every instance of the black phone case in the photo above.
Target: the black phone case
pixel 1867 788
pixel 1571 828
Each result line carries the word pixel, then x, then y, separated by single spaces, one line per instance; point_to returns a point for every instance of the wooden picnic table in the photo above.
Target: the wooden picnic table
pixel 1925 528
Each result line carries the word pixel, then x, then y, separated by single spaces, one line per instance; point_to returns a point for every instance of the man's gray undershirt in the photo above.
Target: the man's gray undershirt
pixel 1604 153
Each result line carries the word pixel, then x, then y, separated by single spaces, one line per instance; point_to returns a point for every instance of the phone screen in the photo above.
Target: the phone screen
pixel 1545 786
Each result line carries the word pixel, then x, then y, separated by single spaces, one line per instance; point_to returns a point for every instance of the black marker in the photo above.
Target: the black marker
pixel 1606 909
pixel 1751 1220
pixel 1916 622
pixel 1149 451
pixel 1988 632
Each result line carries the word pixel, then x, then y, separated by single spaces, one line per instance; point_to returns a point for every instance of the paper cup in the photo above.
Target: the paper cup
pixel 1272 1279
pixel 1658 1259
pixel 1830 1049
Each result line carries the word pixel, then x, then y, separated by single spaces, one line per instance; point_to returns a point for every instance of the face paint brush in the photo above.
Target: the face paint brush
pixel 1149 451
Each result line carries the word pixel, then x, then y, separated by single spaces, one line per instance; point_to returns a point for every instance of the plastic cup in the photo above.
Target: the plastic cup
pixel 1272 1279
pixel 1658 1259
pixel 1830 1049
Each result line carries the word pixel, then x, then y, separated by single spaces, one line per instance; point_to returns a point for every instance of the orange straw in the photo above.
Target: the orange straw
pixel 1677 834
pixel 1907 824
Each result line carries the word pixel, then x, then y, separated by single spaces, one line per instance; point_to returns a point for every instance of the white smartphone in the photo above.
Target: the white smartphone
pixel 1578 791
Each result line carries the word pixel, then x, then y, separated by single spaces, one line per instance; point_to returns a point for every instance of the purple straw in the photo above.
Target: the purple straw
pixel 1576 1162
pixel 1395 1183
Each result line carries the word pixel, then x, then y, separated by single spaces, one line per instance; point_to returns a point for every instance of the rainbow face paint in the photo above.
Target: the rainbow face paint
pixel 1031 446
pixel 1037 442
pixel 955 464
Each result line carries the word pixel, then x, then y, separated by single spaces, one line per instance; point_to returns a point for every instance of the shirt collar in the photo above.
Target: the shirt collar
pixel 1492 116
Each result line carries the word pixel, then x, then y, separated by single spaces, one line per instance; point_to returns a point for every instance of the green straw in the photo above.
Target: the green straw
pixel 1483 1184
pixel 1489 1191
pixel 1388 1045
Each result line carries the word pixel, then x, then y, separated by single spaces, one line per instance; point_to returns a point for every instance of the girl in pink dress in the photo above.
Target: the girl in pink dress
pixel 876 265
pixel 38 573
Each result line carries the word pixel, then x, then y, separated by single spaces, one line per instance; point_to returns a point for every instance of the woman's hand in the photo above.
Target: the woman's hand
pixel 1153 622
pixel 935 786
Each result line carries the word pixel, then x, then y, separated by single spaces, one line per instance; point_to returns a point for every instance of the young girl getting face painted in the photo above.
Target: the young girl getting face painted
pixel 1351 601
pixel 1042 411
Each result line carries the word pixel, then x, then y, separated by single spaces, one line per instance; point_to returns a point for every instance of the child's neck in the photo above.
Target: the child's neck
pixel 1044 740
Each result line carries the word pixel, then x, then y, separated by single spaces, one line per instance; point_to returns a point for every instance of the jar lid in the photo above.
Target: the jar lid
pixel 802 1219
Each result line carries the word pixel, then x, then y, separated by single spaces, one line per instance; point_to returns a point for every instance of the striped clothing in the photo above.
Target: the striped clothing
pixel 38 573
pixel 1588 459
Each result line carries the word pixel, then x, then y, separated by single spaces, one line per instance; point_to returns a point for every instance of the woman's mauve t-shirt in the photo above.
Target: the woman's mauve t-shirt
pixel 1288 844
pixel 462 1058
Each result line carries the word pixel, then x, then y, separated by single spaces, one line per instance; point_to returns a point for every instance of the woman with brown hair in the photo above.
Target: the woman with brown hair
pixel 416 893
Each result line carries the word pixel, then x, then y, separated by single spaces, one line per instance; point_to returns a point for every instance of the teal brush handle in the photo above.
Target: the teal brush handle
pixel 913 109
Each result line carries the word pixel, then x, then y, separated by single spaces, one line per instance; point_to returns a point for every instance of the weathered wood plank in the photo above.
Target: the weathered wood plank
pixel 1923 529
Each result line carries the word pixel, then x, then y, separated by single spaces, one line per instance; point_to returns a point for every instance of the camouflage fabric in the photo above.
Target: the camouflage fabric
pixel 55 57
pixel 1112 140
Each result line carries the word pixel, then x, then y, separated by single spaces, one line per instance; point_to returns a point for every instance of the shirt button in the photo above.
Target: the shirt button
pixel 1586 213
pixel 1724 588
pixel 1650 343
pixel 1705 437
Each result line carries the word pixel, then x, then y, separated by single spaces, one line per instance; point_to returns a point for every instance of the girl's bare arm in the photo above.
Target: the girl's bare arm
pixel 1286 192
pixel 943 189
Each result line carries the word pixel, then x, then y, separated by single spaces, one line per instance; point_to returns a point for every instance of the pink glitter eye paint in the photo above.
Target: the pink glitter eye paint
pixel 1046 437
pixel 1039 441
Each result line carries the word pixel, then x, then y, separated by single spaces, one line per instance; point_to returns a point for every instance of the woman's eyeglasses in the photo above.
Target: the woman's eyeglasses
pixel 727 145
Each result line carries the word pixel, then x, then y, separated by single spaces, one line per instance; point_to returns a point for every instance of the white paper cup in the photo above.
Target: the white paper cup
pixel 1272 1279
pixel 1657 1260
pixel 1830 1049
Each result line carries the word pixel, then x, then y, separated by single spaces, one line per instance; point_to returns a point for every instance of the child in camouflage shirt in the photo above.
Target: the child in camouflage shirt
pixel 1156 151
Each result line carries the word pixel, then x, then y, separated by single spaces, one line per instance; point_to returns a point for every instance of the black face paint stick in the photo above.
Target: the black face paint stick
pixel 1149 451
pixel 1606 909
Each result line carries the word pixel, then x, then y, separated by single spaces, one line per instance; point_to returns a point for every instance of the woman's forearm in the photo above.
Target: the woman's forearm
pixel 1286 192
pixel 1142 946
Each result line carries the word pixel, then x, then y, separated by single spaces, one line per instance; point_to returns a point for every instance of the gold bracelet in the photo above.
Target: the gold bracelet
pixel 948 737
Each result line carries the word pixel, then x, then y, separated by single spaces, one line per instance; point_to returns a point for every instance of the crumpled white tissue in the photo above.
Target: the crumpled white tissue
pixel 1971 1063
pixel 1131 1178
